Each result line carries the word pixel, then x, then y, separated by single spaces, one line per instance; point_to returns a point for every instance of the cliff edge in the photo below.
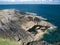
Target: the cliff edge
pixel 22 26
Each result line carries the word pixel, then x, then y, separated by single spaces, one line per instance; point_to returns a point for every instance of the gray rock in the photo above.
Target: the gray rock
pixel 39 43
pixel 15 25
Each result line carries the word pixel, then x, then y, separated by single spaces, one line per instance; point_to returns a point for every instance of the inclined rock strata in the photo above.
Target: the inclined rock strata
pixel 22 26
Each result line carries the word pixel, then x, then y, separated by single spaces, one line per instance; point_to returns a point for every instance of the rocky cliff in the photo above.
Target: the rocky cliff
pixel 22 26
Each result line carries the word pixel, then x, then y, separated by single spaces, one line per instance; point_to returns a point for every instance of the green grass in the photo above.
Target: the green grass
pixel 7 42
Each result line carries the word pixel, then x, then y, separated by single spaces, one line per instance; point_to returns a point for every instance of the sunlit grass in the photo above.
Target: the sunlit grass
pixel 7 42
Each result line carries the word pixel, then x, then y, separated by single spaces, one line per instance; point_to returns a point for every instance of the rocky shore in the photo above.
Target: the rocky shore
pixel 23 27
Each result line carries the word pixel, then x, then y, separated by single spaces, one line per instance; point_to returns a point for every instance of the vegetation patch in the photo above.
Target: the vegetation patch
pixel 7 42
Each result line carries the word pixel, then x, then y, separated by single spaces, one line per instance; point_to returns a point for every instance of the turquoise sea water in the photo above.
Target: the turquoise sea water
pixel 51 12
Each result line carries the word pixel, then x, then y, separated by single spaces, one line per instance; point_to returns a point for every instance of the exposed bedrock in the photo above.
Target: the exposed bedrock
pixel 23 26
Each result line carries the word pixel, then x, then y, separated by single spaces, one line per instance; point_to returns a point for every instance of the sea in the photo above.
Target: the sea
pixel 49 11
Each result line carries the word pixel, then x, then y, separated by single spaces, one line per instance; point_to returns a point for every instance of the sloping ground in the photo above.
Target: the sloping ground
pixel 22 26
pixel 8 42
pixel 39 43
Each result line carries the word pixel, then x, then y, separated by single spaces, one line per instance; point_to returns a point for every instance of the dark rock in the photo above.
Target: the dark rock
pixel 38 43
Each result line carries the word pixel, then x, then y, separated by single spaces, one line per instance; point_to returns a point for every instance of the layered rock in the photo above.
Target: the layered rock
pixel 22 26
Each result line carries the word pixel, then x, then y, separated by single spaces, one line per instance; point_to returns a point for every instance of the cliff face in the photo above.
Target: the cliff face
pixel 22 26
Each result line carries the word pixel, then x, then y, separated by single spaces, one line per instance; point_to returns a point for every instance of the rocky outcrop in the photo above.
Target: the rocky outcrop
pixel 39 43
pixel 22 26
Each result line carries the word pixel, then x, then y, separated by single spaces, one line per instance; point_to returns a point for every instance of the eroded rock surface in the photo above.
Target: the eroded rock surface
pixel 22 26
pixel 38 43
